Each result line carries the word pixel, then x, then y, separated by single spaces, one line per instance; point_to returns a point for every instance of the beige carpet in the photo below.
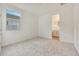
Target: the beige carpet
pixel 39 47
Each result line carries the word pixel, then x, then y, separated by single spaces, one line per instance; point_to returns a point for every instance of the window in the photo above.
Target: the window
pixel 12 19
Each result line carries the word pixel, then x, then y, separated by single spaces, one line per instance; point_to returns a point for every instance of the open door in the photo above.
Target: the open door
pixel 55 27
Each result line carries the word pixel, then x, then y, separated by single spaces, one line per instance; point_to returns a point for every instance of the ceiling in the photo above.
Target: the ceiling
pixel 39 8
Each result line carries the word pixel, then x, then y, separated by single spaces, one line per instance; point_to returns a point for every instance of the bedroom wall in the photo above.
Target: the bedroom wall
pixel 28 27
pixel 45 26
pixel 66 24
pixel 76 26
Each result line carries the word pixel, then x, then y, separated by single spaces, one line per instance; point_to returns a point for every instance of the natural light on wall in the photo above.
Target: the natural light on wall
pixel 55 22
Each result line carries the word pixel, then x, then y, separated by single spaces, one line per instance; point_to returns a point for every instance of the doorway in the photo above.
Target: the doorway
pixel 55 27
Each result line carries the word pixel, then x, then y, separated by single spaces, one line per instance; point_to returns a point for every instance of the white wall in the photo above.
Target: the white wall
pixel 76 26
pixel 45 26
pixel 28 27
pixel 66 24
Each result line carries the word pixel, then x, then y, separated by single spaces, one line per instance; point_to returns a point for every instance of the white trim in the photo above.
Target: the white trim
pixel 76 49
pixel 62 40
pixel 44 37
pixel 19 41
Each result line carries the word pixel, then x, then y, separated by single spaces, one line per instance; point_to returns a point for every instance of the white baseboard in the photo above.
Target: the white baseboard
pixel 76 49
pixel 19 41
pixel 62 40
pixel 44 37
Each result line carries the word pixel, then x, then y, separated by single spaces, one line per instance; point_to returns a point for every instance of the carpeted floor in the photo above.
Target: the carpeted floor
pixel 40 47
